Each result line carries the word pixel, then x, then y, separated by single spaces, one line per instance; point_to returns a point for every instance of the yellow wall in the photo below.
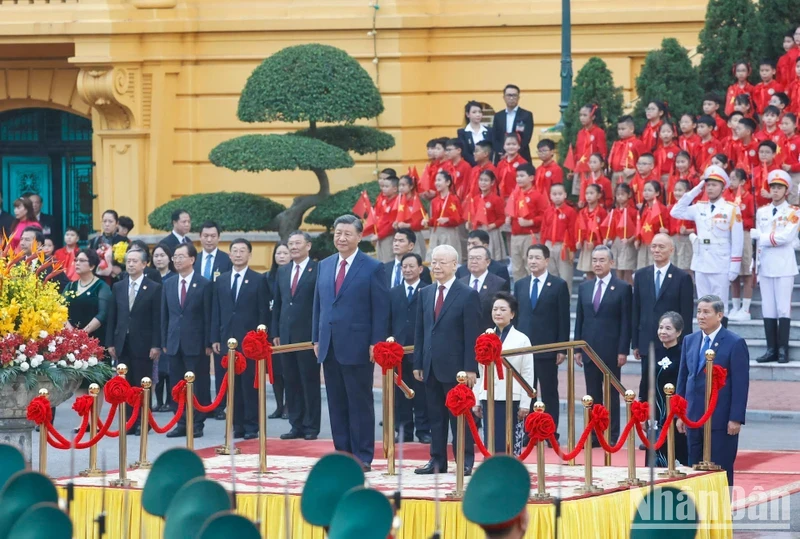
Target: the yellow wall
pixel 162 85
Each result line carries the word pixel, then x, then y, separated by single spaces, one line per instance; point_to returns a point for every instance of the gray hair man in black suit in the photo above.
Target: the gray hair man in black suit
pixel 480 238
pixel 292 307
pixel 487 284
pixel 657 289
pixel 403 243
pixel 186 331
pixel 544 317
pixel 240 303
pixel 444 345
pixel 603 321
pixel 133 336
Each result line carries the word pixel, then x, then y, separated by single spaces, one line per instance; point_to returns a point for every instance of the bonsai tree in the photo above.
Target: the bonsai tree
pixel 732 33
pixel 314 84
pixel 594 83
pixel 667 75
pixel 231 211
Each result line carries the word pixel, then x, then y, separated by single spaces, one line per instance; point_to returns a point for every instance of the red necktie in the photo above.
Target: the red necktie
pixel 439 302
pixel 295 278
pixel 340 276
pixel 183 292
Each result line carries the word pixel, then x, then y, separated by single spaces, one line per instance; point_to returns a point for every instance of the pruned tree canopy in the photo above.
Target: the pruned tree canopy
pixel 256 153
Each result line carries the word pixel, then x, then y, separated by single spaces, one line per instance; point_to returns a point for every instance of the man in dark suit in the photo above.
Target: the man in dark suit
pixel 292 307
pixel 603 321
pixel 487 284
pixel 544 318
pixel 240 303
pixel 181 225
pixel 211 263
pixel 657 289
pixel 480 238
pixel 729 415
pixel 186 331
pixel 350 315
pixel 512 119
pixel 50 227
pixel 404 300
pixel 474 130
pixel 150 272
pixel 133 335
pixel 444 345
pixel 402 244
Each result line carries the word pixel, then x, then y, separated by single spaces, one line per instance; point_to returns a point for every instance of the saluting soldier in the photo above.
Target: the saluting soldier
pixel 719 241
pixel 776 229
pixel 496 498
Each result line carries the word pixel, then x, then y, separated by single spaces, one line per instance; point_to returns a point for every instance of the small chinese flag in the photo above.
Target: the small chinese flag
pixel 362 205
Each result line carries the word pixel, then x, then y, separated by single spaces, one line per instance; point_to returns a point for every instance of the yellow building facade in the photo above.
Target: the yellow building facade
pixel 160 79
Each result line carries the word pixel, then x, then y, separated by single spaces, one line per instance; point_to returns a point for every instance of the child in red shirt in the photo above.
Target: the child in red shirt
pixel 644 173
pixel 689 140
pixel 549 172
pixel 656 114
pixel 425 185
pixel 744 104
pixel 767 87
pixel 653 219
pixel 524 212
pixel 487 212
pixel 454 150
pixel 709 146
pixel 386 217
pixel 793 90
pixel 620 232
pixel 771 131
pixel 791 153
pixel 766 157
pixel 741 72
pixel 587 227
pixel 483 162
pixel 742 292
pixel 558 233
pixel 745 154
pixel 733 139
pixel 683 172
pixel 507 167
pixel 591 139
pixel 446 215
pixel 596 177
pixel 410 212
pixel 680 230
pixel 666 152
pixel 785 73
pixel 625 151
pixel 711 104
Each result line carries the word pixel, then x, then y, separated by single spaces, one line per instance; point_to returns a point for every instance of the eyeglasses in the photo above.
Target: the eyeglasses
pixel 476 258
pixel 82 260
pixel 178 258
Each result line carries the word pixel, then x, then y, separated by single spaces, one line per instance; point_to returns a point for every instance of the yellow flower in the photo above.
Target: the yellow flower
pixel 119 251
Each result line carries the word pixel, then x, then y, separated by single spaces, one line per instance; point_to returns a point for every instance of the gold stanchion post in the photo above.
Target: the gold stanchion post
pixel 143 463
pixel 43 438
pixel 707 464
pixel 541 493
pixel 672 473
pixel 94 418
pixel 632 480
pixel 226 449
pixel 607 401
pixel 388 418
pixel 588 487
pixel 461 378
pixel 122 412
pixel 189 379
pixel 489 371
pixel 261 373
pixel 509 412
pixel 571 402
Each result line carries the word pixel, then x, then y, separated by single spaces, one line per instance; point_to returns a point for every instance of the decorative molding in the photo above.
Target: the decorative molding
pixel 154 4
pixel 115 92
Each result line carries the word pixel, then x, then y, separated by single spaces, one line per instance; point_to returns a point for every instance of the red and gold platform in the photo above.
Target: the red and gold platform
pixel 606 515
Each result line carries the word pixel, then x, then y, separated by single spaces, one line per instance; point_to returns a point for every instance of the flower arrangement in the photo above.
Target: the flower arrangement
pixel 119 249
pixel 33 339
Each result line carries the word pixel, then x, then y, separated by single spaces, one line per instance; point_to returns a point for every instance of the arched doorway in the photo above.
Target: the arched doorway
pixel 49 152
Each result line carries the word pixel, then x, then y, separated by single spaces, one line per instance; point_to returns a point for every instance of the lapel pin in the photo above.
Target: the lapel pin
pixel 485 287
pixel 309 270
pixel 716 344
pixel 669 276
pixel 88 293
pixel 612 288
pixel 144 287
pixel 549 284
pixel 246 281
pixel 194 285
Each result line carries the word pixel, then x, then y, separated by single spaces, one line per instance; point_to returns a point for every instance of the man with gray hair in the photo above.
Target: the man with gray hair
pixel 350 315
pixel 730 353
pixel 603 321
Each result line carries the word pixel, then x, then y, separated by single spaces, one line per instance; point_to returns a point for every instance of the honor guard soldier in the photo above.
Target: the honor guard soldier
pixel 776 231
pixel 364 513
pixel 665 512
pixel 328 481
pixel 497 497
pixel 718 244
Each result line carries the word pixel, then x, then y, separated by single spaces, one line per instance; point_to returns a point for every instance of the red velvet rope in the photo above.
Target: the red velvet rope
pixel 488 349
pixel 173 421
pixel 223 388
pixel 130 423
pixel 65 444
pixel 256 346
pixel 388 356
pixel 460 400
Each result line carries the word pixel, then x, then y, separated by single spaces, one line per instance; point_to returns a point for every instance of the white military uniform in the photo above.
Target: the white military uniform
pixel 717 247
pixel 777 228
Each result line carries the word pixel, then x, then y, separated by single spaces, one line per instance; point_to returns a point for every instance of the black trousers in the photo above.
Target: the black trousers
pixel 301 374
pixel 545 373
pixel 499 424
pixel 245 400
pixel 440 418
pixel 594 387
pixel 219 374
pixel 412 414
pixel 138 368
pixel 200 365
pixel 644 382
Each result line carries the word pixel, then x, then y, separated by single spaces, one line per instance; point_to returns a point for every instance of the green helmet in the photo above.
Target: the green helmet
pixel 22 491
pixel 498 491
pixel 362 513
pixel 42 521
pixel 171 470
pixel 192 505
pixel 330 478
pixel 666 512
pixel 229 524
pixel 11 462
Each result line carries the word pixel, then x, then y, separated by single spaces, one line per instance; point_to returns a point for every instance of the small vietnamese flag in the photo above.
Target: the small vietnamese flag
pixel 569 160
pixel 362 205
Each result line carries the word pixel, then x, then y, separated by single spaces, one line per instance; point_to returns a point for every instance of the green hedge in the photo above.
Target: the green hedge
pixel 256 153
pixel 340 203
pixel 241 212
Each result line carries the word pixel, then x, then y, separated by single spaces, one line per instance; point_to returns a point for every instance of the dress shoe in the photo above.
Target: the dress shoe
pixel 285 415
pixel 178 432
pixel 467 471
pixel 219 415
pixel 291 435
pixel 238 434
pixel 366 467
pixel 250 435
pixel 406 439
pixel 277 414
pixel 428 469
pixel 310 436
pixel 198 433
pixel 424 438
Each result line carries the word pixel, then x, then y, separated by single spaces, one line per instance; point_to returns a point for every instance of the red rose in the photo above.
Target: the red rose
pixel 600 417
pixel 83 405
pixel 39 410
pixel 488 347
pixel 116 390
pixel 460 400
pixel 179 391
pixel 539 426
pixel 134 396
pixel 388 355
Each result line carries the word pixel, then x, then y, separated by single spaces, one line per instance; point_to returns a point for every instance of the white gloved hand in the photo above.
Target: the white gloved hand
pixel 732 276
pixel 755 234
pixel 692 237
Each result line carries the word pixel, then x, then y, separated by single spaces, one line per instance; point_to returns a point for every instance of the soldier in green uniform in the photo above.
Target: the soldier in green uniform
pixel 497 497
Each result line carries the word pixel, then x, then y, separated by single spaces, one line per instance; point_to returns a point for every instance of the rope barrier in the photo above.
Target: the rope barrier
pixel 256 347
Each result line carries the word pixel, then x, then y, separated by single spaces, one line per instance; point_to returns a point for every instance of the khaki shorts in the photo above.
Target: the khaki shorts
pixel 644 257
pixel 747 255
pixel 445 236
pixel 624 255
pixel 497 246
pixel 585 260
pixel 682 257
pixel 519 258
pixel 558 267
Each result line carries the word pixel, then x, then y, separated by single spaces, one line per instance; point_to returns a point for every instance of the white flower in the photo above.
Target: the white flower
pixel 20 358
pixel 43 334
pixel 51 347
pixel 62 363
pixel 39 358
pixel 664 363
pixel 78 364
pixel 59 339
pixel 35 362
pixel 22 347
pixel 24 366
pixel 70 358
pixel 92 361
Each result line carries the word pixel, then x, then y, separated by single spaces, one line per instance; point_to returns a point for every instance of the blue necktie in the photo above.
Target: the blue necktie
pixel 234 287
pixel 207 268
pixel 410 293
pixel 534 293
pixel 658 282
pixel 706 346
pixel 396 275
